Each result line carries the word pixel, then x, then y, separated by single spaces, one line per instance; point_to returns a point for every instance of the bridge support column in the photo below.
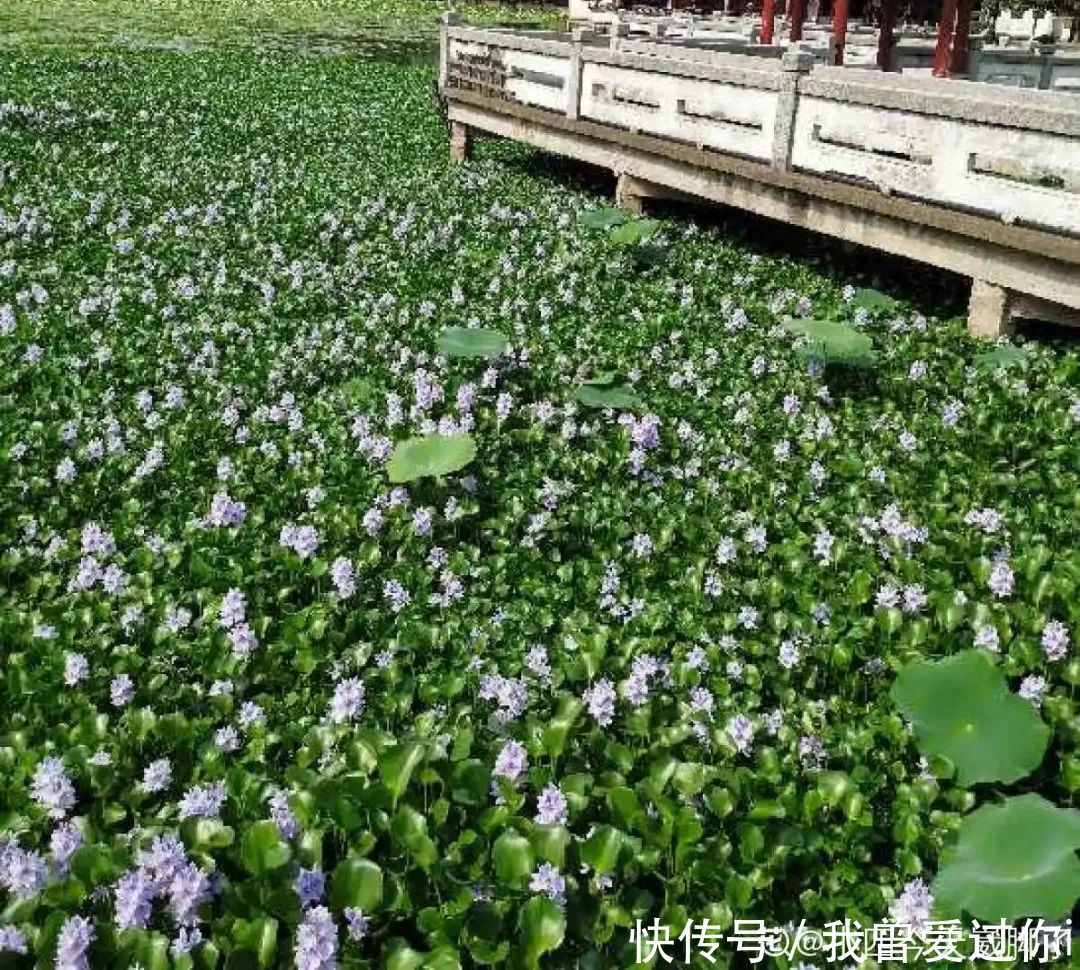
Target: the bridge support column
pixel 628 194
pixel 460 142
pixel 989 310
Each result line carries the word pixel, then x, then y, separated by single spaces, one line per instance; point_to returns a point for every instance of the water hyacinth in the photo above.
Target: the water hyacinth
pixel 623 640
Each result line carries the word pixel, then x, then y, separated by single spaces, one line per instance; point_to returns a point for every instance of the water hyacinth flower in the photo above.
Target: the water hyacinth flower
pixel 551 807
pixel 511 761
pixel 549 881
pixel 357 924
pixel 310 885
pixel 189 888
pixel 203 801
pixel 65 841
pixel 740 729
pixel 52 789
pixel 301 539
pixel 157 776
pixel 73 944
pixel 135 894
pixel 76 669
pixel 1055 640
pixel 347 704
pixel 12 940
pixel 600 701
pixel 23 873
pixel 316 941
pixel 913 906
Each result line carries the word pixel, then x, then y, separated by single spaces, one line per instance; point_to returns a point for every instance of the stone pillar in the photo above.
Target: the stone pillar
pixel 989 310
pixel 627 195
pixel 448 21
pixel 793 65
pixel 460 142
pixel 573 76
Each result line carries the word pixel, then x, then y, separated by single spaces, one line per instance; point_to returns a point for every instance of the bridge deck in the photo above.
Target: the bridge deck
pixel 980 180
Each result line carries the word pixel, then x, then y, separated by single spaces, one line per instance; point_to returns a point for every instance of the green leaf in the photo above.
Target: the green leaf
pixel 356 882
pixel 621 397
pixel 1013 860
pixel 478 342
pixel 512 857
pixel 1002 357
pixel 262 849
pixel 259 936
pixel 604 217
pixel 471 782
pixel 962 709
pixel 871 299
pixel 634 233
pixel 397 764
pixel 543 926
pixel 409 828
pixel 430 456
pixel 832 342
pixel 601 849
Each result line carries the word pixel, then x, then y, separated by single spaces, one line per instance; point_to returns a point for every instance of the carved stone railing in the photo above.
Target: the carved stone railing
pixel 1010 154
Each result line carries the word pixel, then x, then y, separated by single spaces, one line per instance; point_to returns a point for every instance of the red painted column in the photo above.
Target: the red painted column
pixel 886 34
pixel 946 28
pixel 961 41
pixel 797 13
pixel 839 28
pixel 768 15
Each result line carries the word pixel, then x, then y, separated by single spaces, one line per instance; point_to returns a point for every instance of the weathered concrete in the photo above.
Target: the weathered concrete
pixel 989 313
pixel 460 141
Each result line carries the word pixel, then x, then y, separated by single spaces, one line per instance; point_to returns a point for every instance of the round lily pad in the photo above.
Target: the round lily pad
pixel 1013 860
pixel 962 709
pixel 466 342
pixel 430 456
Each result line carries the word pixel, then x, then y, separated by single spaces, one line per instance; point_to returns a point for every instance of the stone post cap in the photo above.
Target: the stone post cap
pixel 450 18
pixel 796 58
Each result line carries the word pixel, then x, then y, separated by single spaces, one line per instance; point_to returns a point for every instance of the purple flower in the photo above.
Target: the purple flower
pixel 233 609
pixel 511 761
pixel 343 577
pixel 551 807
pixel 310 885
pixel 12 940
pixel 135 894
pixel 121 690
pixel 76 669
pixel 549 881
pixel 186 939
pixel 600 699
pixel 316 941
pixel 164 858
pixel 203 801
pixel 157 776
pixel 357 924
pixel 243 641
pixel 1055 640
pixel 301 539
pixel 74 940
pixel 1001 579
pixel 347 704
pixel 1032 689
pixel 912 908
pixel 52 789
pixel 22 873
pixel 65 842
pixel 189 888
pixel 282 815
pixel 741 731
pixel 396 595
pixel 225 512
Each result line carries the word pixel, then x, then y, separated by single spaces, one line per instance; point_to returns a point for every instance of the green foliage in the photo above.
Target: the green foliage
pixel 478 342
pixel 962 710
pixel 431 456
pixel 621 397
pixel 1004 357
pixel 1013 860
pixel 833 342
